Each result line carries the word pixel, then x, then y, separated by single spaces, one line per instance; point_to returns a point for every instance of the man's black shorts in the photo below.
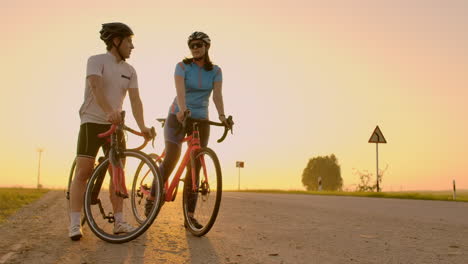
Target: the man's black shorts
pixel 89 142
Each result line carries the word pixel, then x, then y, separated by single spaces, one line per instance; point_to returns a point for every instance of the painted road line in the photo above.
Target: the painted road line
pixel 8 255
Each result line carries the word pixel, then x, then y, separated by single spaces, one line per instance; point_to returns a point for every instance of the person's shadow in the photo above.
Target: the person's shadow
pixel 201 249
pixel 130 252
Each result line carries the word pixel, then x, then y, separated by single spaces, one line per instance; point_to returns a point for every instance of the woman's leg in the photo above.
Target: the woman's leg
pixel 173 143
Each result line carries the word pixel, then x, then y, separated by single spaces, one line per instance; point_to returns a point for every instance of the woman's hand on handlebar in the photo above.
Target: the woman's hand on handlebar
pixel 182 115
pixel 228 122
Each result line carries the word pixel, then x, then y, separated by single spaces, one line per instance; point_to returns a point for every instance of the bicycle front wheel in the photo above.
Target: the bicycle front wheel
pixel 141 189
pixel 201 204
pixel 101 203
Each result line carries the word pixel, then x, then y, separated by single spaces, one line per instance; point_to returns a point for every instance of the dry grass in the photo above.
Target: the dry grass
pixel 11 199
pixel 462 196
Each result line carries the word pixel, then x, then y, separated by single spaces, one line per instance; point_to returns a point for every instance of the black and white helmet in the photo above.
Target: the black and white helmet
pixel 198 35
pixel 116 29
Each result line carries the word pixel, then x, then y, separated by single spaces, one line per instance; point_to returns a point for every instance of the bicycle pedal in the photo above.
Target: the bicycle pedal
pixel 95 201
pixel 110 217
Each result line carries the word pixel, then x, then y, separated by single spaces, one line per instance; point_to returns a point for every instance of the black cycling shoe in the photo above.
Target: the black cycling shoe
pixel 194 223
pixel 148 206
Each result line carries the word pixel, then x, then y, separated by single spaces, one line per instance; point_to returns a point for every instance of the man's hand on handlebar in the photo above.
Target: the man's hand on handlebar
pixel 149 133
pixel 115 117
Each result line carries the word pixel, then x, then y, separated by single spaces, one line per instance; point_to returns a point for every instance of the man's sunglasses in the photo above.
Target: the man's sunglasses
pixel 196 45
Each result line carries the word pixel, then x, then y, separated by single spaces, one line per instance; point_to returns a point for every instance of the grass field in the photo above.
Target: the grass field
pixel 11 199
pixel 462 195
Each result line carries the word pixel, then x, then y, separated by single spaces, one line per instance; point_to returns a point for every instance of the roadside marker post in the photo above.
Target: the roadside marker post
pixel 454 191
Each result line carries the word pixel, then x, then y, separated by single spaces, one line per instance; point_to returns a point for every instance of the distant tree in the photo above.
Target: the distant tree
pixel 328 169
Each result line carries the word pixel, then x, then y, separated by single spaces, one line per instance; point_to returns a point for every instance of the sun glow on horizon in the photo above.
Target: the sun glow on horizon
pixel 302 79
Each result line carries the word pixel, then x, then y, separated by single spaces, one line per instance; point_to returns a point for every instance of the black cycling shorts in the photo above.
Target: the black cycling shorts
pixel 89 142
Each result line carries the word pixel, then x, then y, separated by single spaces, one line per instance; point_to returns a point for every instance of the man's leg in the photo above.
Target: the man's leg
pixel 84 168
pixel 87 148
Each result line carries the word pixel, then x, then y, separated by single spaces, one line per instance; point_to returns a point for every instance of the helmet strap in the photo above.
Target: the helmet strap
pixel 118 49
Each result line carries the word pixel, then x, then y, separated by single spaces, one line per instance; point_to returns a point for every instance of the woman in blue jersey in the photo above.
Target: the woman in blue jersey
pixel 195 79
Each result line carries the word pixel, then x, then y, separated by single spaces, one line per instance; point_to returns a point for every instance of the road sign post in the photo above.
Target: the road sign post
pixel 239 164
pixel 377 137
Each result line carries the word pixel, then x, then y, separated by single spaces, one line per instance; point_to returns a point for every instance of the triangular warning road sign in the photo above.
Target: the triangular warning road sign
pixel 377 136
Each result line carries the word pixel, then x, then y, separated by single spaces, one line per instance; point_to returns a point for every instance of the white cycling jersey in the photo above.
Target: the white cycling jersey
pixel 117 78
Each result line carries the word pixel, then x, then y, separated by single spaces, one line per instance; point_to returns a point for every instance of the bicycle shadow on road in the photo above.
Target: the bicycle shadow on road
pixel 201 249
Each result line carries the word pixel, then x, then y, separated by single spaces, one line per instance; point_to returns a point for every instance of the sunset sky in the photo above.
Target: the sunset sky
pixel 301 78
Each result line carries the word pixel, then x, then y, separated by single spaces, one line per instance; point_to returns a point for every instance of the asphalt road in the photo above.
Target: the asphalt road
pixel 256 228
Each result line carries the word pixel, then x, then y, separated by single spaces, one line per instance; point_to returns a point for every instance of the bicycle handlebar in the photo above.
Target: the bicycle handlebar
pixel 114 127
pixel 227 126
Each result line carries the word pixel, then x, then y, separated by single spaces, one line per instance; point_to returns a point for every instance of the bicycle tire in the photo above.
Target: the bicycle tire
pixel 204 192
pixel 70 179
pixel 140 186
pixel 99 226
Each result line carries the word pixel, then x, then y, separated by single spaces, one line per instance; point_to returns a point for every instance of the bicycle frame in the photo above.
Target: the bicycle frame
pixel 193 145
pixel 193 141
pixel 116 172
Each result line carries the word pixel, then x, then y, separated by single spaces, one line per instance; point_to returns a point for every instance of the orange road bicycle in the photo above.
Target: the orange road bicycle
pixel 202 184
pixel 100 205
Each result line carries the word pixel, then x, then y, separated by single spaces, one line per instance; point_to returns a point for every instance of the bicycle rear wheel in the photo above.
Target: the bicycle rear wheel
pixel 70 180
pixel 201 206
pixel 100 204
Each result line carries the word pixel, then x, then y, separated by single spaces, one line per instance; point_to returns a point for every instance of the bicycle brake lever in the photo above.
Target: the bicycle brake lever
pixel 153 135
pixel 231 124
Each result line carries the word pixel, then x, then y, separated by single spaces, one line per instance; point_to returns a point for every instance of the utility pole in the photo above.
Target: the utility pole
pixel 39 150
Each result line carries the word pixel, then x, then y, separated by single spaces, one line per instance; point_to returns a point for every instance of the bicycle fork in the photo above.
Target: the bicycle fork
pixel 95 197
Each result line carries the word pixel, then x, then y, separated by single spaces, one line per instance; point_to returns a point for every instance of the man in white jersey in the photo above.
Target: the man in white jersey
pixel 108 78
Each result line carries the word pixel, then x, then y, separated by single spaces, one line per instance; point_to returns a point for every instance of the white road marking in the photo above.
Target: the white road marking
pixel 8 255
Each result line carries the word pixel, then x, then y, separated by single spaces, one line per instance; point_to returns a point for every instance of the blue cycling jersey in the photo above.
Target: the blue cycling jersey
pixel 198 88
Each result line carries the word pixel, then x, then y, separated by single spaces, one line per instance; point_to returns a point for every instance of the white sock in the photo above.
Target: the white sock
pixel 75 218
pixel 119 218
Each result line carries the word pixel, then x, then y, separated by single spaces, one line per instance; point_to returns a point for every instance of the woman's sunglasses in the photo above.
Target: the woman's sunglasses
pixel 196 45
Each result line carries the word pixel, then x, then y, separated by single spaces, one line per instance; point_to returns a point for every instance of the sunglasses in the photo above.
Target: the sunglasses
pixel 196 45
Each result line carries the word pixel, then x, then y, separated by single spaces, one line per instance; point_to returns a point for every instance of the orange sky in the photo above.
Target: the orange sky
pixel 301 78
